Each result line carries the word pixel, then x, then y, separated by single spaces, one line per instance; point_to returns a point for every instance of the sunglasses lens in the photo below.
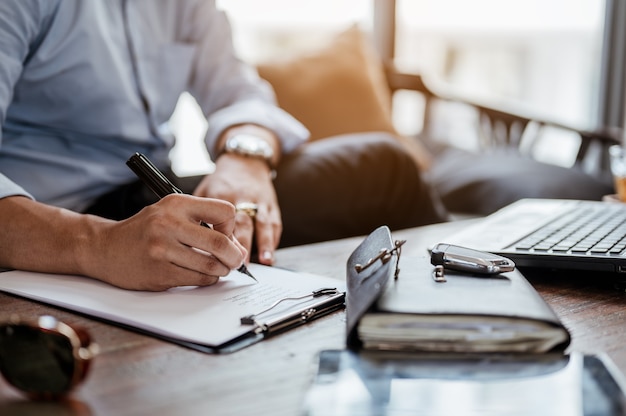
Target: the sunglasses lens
pixel 36 361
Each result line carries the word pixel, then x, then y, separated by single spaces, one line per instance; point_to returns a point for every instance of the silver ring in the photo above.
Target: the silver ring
pixel 248 208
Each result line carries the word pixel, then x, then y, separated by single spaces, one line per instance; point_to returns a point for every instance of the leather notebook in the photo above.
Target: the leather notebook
pixel 468 313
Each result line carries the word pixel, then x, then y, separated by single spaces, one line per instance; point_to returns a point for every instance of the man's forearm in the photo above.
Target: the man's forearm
pixel 43 238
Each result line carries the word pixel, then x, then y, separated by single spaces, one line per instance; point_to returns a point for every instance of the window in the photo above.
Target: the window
pixel 266 29
pixel 539 55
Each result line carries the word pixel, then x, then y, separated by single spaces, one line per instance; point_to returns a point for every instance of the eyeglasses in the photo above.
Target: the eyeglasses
pixel 44 358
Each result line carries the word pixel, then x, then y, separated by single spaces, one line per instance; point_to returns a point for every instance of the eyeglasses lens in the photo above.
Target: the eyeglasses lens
pixel 36 361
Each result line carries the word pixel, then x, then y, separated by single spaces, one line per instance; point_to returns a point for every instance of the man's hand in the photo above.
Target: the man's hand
pixel 160 247
pixel 164 245
pixel 241 179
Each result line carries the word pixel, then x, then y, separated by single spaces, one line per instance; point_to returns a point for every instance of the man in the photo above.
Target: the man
pixel 86 84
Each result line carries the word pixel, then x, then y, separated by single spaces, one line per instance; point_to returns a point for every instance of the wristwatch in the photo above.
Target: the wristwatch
pixel 251 146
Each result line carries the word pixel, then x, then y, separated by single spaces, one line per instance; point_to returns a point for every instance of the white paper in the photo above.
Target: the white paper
pixel 204 315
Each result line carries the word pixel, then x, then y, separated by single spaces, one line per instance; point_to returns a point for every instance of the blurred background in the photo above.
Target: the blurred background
pixel 539 57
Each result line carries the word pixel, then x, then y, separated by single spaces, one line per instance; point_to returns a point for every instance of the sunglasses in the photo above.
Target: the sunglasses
pixel 44 358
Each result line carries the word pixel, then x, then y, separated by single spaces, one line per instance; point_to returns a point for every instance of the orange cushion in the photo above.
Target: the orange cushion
pixel 337 89
pixel 334 90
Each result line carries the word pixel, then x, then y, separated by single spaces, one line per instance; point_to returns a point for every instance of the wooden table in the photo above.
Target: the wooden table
pixel 139 375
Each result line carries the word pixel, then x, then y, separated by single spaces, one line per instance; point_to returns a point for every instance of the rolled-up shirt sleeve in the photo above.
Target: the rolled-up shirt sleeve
pixel 10 188
pixel 229 91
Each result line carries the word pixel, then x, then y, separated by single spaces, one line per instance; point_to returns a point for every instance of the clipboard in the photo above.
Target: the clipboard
pixel 323 302
pixel 329 301
pixel 226 317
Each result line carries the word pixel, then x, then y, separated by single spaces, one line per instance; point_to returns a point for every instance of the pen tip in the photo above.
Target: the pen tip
pixel 243 269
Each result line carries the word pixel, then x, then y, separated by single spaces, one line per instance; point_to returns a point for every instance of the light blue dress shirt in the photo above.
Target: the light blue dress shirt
pixel 86 83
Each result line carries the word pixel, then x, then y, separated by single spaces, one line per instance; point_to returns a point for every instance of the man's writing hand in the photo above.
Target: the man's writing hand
pixel 164 246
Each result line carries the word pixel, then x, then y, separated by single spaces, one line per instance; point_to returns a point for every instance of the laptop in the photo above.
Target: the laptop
pixel 553 233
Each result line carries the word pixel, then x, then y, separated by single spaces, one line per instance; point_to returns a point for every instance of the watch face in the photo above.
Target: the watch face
pixel 250 145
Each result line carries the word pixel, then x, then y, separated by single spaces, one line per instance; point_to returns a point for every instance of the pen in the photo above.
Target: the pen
pixel 161 186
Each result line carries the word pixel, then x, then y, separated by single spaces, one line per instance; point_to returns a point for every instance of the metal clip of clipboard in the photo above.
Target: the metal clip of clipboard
pixel 330 300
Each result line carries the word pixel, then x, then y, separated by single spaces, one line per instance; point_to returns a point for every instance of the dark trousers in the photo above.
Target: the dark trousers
pixel 334 188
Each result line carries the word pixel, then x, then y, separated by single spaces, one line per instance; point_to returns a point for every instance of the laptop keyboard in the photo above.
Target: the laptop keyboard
pixel 586 230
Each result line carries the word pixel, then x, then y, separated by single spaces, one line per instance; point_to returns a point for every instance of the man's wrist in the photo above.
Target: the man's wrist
pixel 258 133
pixel 234 162
pixel 250 145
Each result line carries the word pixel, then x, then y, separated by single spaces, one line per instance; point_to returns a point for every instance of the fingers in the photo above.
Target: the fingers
pixel 173 265
pixel 195 268
pixel 266 226
pixel 199 254
pixel 267 238
pixel 220 214
pixel 244 184
pixel 244 230
pixel 218 239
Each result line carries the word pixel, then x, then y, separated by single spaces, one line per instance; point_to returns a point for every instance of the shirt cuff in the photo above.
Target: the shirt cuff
pixel 290 131
pixel 10 188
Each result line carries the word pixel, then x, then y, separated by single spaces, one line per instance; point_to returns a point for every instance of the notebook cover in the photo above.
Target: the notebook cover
pixel 416 293
pixel 365 287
